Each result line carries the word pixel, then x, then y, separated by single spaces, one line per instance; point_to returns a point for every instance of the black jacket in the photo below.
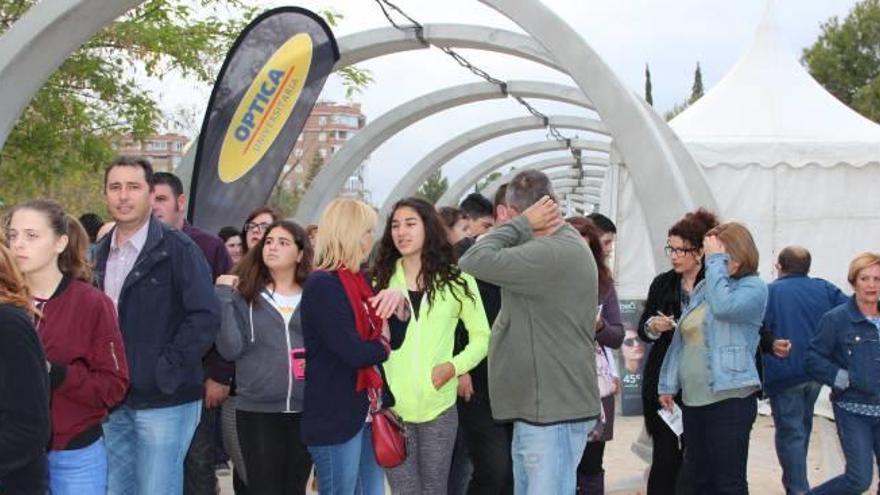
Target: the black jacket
pixel 25 425
pixel 664 296
pixel 169 317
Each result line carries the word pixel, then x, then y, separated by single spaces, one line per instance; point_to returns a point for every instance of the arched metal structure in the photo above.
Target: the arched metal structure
pixel 589 170
pixel 35 46
pixel 330 179
pixel 409 184
pixel 665 176
pixel 460 186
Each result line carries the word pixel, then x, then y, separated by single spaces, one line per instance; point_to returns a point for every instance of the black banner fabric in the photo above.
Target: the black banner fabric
pixel 266 89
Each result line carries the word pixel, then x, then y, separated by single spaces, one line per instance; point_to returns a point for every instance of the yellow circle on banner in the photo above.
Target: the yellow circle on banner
pixel 265 108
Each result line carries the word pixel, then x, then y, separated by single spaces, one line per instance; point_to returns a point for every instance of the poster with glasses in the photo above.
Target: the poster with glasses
pixel 633 354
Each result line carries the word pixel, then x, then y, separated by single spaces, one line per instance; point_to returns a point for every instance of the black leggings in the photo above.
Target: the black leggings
pixel 276 460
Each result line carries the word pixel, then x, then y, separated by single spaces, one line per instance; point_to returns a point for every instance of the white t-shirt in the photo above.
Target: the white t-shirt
pixel 285 305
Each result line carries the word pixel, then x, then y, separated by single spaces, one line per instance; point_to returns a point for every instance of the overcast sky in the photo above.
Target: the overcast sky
pixel 670 35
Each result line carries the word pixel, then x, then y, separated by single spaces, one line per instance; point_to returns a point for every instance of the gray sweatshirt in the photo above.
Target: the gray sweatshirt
pixel 542 365
pixel 255 337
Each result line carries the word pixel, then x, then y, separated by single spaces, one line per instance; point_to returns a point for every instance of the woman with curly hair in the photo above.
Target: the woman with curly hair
pixel 415 258
pixel 669 294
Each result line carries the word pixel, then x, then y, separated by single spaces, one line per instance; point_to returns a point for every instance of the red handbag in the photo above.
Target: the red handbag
pixel 389 438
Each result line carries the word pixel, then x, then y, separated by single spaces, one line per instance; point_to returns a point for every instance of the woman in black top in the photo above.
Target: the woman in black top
pixel 25 425
pixel 668 295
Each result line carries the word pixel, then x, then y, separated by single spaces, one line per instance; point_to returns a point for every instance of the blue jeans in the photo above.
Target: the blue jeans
pixel 146 448
pixel 349 468
pixel 793 417
pixel 860 441
pixel 79 472
pixel 545 458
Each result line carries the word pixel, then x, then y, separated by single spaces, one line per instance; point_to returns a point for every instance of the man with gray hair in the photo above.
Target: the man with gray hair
pixel 540 377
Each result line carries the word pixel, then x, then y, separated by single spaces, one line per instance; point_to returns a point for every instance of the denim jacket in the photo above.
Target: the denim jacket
pixel 845 355
pixel 731 329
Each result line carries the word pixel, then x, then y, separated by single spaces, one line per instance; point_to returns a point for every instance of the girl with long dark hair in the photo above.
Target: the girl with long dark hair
pixel 78 328
pixel 261 332
pixel 416 258
pixel 609 335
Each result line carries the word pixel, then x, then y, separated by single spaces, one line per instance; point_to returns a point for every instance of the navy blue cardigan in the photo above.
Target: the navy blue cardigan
pixel 333 412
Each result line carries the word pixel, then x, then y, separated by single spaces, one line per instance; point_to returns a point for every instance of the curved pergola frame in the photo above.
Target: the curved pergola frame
pixel 330 179
pixel 665 177
pixel 457 189
pixel 589 170
pixel 419 173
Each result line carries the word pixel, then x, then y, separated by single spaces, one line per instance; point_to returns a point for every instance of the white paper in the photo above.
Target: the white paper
pixel 672 419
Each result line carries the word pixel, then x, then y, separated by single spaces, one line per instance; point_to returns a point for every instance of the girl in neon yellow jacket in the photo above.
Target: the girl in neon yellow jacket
pixel 415 258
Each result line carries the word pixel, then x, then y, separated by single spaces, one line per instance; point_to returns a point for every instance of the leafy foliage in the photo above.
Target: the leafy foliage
pixel 433 188
pixel 63 139
pixel 845 58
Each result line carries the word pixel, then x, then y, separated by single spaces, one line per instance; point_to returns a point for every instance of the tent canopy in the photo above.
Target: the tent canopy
pixel 768 111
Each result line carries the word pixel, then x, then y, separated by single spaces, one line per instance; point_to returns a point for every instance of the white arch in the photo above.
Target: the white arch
pixel 409 184
pixel 458 188
pixel 330 179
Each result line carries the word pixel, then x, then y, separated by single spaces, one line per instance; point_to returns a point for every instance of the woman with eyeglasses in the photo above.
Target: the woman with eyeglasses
pixel 711 362
pixel 668 295
pixel 256 224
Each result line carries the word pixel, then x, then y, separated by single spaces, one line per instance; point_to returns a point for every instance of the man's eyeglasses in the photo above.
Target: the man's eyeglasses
pixel 631 341
pixel 259 227
pixel 674 251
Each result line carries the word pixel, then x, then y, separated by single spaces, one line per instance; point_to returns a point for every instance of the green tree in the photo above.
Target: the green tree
pixel 845 58
pixel 64 137
pixel 697 88
pixel 433 188
pixel 649 97
pixel 696 94
pixel 312 172
pixel 488 180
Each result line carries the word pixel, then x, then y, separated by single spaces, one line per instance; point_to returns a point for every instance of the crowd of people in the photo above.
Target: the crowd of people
pixel 136 356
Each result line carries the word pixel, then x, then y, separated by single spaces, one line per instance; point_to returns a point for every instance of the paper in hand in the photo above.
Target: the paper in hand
pixel 672 419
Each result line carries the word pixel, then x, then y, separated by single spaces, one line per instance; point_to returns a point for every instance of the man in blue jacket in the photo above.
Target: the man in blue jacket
pixel 168 313
pixel 795 305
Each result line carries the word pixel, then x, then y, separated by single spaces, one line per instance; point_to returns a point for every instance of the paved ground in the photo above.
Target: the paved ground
pixel 625 470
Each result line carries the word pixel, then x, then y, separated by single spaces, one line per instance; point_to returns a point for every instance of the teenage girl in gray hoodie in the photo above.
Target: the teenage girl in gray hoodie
pixel 261 332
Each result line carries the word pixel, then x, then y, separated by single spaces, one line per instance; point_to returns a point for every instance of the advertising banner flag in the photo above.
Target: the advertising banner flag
pixel 266 89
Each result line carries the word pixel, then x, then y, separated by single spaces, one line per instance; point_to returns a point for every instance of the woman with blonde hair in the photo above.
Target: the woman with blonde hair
pixel 711 360
pixel 25 426
pixel 349 331
pixel 843 355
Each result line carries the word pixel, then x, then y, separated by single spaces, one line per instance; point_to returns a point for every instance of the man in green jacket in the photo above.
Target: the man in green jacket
pixel 542 373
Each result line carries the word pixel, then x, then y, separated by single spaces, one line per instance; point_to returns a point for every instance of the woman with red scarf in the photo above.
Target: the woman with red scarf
pixel 349 331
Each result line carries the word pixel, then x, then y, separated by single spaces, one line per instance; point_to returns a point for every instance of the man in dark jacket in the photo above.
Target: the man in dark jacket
pixel 796 303
pixel 168 313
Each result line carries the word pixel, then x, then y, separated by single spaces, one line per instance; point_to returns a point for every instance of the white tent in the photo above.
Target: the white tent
pixel 783 156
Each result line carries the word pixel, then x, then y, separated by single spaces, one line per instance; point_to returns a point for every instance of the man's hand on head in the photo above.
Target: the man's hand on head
pixel 543 215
